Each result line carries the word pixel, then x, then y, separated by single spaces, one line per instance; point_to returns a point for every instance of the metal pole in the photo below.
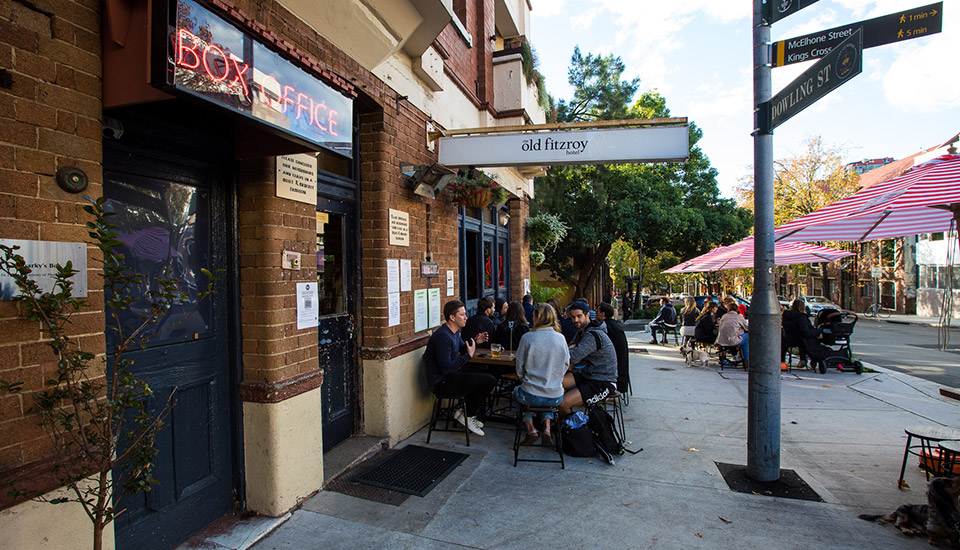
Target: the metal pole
pixel 763 400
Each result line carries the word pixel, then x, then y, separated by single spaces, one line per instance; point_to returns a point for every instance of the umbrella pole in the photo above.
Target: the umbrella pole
pixel 763 398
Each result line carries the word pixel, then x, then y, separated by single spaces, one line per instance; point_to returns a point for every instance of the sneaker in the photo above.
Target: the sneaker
pixel 461 418
pixel 654 342
pixel 473 425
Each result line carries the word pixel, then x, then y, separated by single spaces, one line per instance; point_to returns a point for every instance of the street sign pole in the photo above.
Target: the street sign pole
pixel 763 399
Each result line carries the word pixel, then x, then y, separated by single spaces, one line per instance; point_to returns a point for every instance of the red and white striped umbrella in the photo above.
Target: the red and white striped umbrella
pixel 923 200
pixel 740 255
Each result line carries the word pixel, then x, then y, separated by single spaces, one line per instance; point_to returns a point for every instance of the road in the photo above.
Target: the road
pixel 910 349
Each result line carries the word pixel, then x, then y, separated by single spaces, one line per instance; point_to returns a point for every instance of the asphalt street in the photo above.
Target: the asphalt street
pixel 910 349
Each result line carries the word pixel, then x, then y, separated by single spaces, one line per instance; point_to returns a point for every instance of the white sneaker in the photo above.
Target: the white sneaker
pixel 474 425
pixel 461 418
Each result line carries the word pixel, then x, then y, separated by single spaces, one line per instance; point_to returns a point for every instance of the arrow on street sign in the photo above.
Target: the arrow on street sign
pixel 895 27
pixel 775 10
pixel 835 68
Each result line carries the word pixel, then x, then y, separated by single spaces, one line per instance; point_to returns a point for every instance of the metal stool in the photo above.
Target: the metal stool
pixel 613 404
pixel 735 351
pixel 555 433
pixel 928 436
pixel 445 414
pixel 949 458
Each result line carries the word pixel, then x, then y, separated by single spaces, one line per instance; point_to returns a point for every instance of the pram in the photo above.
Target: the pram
pixel 835 328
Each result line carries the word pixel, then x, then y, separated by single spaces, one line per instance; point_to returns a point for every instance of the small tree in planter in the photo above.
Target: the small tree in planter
pixel 477 192
pixel 96 413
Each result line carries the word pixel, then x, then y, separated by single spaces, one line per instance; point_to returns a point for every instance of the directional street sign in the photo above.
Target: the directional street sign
pixel 895 27
pixel 837 67
pixel 775 10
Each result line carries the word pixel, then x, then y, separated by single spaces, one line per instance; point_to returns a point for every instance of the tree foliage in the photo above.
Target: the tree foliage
pixel 672 207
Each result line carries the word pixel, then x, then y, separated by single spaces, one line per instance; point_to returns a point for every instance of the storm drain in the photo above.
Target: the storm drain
pixel 412 470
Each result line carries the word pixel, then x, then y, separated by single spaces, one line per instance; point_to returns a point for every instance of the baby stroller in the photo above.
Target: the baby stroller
pixel 835 328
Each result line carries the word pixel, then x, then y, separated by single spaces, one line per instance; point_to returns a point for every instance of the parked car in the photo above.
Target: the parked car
pixel 784 301
pixel 701 299
pixel 813 304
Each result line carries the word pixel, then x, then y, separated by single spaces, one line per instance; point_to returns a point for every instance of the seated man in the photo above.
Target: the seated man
pixel 732 329
pixel 481 323
pixel 445 362
pixel 665 320
pixel 619 338
pixel 593 349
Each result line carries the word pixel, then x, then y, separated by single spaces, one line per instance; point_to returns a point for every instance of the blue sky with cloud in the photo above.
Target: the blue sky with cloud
pixel 697 53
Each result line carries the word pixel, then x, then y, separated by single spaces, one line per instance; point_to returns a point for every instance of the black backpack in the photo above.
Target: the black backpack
pixel 606 439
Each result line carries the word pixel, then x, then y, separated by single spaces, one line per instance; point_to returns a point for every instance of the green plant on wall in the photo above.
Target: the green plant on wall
pixel 466 188
pixel 95 412
pixel 545 231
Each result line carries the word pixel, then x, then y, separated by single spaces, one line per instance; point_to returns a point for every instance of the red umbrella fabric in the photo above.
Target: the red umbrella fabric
pixel 740 255
pixel 923 200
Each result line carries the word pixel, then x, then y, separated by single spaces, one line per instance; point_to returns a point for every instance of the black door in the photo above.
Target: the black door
pixel 172 218
pixel 336 277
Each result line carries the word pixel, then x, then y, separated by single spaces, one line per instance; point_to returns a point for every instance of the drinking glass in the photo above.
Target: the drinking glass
pixel 495 350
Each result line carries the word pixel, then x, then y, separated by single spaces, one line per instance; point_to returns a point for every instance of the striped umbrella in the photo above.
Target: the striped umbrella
pixel 923 200
pixel 740 255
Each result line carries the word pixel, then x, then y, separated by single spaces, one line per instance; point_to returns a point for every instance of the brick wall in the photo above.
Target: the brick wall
pixel 49 118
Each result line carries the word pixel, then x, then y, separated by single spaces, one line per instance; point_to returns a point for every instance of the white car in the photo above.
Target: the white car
pixel 813 304
pixel 784 301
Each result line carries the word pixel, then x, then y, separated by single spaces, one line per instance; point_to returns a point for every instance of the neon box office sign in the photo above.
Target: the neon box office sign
pixel 209 58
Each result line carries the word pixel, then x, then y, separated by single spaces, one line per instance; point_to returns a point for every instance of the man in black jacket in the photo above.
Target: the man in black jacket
pixel 481 322
pixel 619 338
pixel 666 320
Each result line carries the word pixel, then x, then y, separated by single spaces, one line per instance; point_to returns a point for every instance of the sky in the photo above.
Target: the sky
pixel 698 55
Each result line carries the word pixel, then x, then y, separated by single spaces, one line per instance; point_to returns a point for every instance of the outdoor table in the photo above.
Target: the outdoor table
pixel 928 436
pixel 949 458
pixel 504 368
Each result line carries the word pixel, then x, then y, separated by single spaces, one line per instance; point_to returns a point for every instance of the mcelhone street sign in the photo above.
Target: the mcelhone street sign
pixel 840 65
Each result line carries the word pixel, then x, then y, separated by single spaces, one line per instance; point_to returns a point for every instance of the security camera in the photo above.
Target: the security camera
pixel 112 128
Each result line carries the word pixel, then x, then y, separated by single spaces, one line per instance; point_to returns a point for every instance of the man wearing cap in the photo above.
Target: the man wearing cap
pixel 592 348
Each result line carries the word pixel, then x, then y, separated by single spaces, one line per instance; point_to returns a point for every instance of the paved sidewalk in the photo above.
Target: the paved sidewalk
pixel 841 432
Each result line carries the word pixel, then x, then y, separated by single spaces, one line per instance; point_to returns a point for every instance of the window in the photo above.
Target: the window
pixel 888 253
pixel 928 276
pixel 936 236
pixel 866 288
pixel 330 263
pixel 943 274
pixel 888 288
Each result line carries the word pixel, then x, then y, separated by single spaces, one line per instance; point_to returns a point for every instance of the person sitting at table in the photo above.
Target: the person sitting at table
pixel 706 327
pixel 605 314
pixel 542 360
pixel 732 329
pixel 689 315
pixel 499 311
pixel 512 328
pixel 445 360
pixel 665 320
pixel 481 322
pixel 567 328
pixel 593 350
pixel 799 332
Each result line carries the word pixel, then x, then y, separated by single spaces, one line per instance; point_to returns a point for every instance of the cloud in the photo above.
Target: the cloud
pixel 583 21
pixel 548 8
pixel 923 79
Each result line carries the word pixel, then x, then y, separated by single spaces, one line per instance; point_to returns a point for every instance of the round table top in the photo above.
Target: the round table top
pixel 933 433
pixel 951 445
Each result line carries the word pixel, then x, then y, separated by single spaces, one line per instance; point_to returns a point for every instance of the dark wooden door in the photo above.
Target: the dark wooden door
pixel 336 277
pixel 172 219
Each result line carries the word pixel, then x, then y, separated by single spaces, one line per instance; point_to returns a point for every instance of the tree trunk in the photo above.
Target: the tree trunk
pixel 590 270
pixel 97 536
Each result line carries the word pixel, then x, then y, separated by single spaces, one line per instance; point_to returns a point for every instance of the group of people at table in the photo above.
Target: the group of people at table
pixel 725 325
pixel 543 357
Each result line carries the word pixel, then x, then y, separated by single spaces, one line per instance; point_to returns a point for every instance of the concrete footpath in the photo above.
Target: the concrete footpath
pixel 842 433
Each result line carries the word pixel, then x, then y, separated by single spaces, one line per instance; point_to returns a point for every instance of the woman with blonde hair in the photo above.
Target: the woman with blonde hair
pixel 542 360
pixel 689 315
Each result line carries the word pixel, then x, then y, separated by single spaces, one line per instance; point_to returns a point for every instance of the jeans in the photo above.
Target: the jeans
pixel 535 401
pixel 744 340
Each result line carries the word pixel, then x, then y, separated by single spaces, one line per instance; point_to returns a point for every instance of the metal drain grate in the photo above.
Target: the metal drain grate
pixel 413 470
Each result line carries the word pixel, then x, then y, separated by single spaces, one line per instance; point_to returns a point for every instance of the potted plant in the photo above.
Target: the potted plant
pixel 478 191
pixel 536 258
pixel 545 231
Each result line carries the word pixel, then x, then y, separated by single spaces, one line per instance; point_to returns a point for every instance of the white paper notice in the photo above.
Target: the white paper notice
pixel 308 306
pixel 393 308
pixel 526 286
pixel 405 275
pixel 435 313
pixel 420 310
pixel 449 283
pixel 393 276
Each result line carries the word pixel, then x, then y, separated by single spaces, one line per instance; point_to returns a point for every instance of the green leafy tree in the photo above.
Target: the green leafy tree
pixel 654 207
pixel 96 413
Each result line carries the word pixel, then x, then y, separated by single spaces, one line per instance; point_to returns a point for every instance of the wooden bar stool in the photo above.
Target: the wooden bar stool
pixel 949 458
pixel 927 448
pixel 555 433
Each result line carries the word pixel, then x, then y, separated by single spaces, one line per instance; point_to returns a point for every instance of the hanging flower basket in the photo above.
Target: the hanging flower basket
pixel 476 192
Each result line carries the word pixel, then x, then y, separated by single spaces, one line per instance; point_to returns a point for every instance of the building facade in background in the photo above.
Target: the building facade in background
pixel 265 139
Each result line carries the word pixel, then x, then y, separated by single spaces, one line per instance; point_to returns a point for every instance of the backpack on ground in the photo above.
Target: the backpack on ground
pixel 577 437
pixel 606 439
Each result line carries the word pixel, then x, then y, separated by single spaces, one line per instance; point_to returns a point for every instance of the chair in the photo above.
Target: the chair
pixel 667 330
pixel 521 429
pixel 925 449
pixel 613 404
pixel 444 413
pixel 735 354
pixel 949 458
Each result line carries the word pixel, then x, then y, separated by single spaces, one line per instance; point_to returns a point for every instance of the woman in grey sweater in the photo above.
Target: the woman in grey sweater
pixel 542 359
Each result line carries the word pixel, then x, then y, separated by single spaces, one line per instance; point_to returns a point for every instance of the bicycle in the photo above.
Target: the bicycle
pixel 877 311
